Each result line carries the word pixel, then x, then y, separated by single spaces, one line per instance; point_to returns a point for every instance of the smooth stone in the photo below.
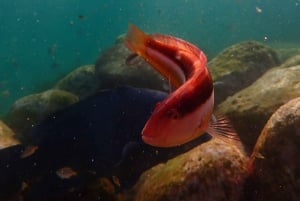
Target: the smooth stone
pixel 29 110
pixel 239 65
pixel 276 164
pixel 211 171
pixel 250 108
pixel 292 61
pixel 112 70
pixel 82 81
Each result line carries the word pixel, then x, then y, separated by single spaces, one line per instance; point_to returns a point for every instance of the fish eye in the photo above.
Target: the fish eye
pixel 173 113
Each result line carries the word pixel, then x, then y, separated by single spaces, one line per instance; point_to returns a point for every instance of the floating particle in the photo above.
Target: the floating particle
pixel 258 9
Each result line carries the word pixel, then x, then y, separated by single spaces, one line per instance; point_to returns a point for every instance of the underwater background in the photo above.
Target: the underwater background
pixel 41 41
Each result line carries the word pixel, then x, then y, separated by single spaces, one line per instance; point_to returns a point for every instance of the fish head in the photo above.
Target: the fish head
pixel 167 127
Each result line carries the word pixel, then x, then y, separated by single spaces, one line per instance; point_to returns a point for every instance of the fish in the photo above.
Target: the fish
pixel 66 172
pixel 81 17
pixel 187 112
pixel 97 137
pixel 28 151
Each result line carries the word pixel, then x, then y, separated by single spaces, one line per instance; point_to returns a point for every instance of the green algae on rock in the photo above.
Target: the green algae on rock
pixel 211 171
pixel 112 70
pixel 276 172
pixel 239 65
pixel 250 108
pixel 30 110
pixel 81 82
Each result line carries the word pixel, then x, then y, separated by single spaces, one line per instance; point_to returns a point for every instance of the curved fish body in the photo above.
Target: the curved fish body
pixel 186 113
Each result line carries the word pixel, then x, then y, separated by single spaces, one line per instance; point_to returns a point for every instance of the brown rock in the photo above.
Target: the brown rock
pixel 7 138
pixel 292 61
pixel 211 171
pixel 240 65
pixel 81 82
pixel 286 50
pixel 29 110
pixel 277 167
pixel 112 70
pixel 250 108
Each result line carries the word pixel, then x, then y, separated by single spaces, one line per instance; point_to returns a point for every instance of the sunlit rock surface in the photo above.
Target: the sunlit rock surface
pixel 239 65
pixel 7 138
pixel 212 171
pixel 276 164
pixel 292 61
pixel 250 108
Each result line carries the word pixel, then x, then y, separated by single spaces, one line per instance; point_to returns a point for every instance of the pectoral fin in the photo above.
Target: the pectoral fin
pixel 221 128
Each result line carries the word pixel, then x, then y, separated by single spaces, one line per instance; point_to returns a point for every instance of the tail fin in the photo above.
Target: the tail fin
pixel 135 39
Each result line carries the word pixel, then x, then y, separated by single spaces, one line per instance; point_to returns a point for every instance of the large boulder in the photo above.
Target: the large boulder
pixel 82 81
pixel 211 171
pixel 30 110
pixel 112 70
pixel 250 108
pixel 276 164
pixel 240 65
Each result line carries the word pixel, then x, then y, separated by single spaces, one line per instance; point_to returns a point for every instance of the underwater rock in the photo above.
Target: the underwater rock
pixel 211 171
pixel 81 82
pixel 240 65
pixel 286 51
pixel 27 111
pixel 250 108
pixel 92 148
pixel 112 70
pixel 276 168
pixel 6 136
pixel 292 61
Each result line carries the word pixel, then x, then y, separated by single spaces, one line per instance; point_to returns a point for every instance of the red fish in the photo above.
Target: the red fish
pixel 186 113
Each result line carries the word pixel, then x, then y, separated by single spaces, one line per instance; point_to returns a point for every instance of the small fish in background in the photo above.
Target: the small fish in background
pixel 14 62
pixel 66 172
pixel 258 9
pixel 187 112
pixel 81 17
pixel 5 93
pixel 131 59
pixel 29 150
pixel 116 181
pixel 54 65
pixel 52 49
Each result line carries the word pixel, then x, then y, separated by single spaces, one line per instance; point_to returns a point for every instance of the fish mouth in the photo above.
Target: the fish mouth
pixel 150 140
pixel 147 139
